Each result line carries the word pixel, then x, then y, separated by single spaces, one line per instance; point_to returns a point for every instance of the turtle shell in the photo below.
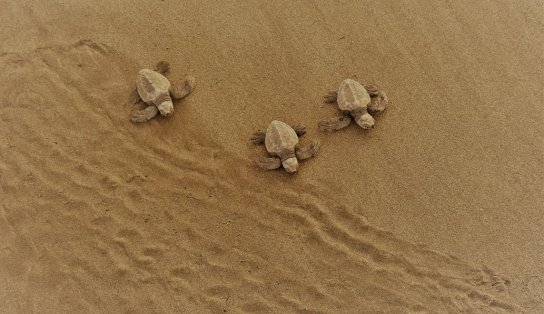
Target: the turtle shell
pixel 152 86
pixel 280 137
pixel 352 96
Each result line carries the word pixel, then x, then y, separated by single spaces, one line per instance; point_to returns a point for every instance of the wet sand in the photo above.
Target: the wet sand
pixel 436 209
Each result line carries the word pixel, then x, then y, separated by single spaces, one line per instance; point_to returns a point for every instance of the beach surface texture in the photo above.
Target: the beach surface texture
pixel 437 209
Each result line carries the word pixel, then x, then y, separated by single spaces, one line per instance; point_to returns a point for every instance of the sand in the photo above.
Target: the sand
pixel 439 208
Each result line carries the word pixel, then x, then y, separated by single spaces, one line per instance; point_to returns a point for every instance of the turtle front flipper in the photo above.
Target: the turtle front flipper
pixel 331 97
pixel 184 89
pixel 258 137
pixel 299 129
pixel 308 151
pixel 334 124
pixel 144 115
pixel 162 67
pixel 134 97
pixel 269 163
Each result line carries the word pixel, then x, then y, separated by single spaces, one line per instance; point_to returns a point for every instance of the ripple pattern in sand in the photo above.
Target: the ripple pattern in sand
pixel 96 210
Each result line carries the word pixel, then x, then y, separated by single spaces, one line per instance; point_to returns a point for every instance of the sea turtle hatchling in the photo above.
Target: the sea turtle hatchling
pixel 155 90
pixel 281 141
pixel 357 102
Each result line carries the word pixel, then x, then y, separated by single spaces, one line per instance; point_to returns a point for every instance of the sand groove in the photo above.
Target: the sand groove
pixel 146 220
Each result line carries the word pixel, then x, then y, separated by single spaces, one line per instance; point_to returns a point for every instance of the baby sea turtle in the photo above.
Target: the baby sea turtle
pixel 281 141
pixel 355 101
pixel 156 91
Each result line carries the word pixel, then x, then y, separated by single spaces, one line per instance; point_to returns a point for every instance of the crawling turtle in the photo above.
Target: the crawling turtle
pixel 155 90
pixel 281 141
pixel 355 101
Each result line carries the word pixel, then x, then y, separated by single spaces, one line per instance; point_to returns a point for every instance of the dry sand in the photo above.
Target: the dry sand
pixel 439 208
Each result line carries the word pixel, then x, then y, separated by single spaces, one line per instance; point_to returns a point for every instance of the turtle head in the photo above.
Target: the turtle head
pixel 166 108
pixel 290 164
pixel 366 121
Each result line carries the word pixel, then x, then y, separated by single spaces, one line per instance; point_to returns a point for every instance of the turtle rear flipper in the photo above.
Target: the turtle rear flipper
pixel 144 115
pixel 331 97
pixel 162 67
pixel 134 97
pixel 378 103
pixel 269 163
pixel 184 89
pixel 334 124
pixel 299 129
pixel 372 90
pixel 308 151
pixel 258 137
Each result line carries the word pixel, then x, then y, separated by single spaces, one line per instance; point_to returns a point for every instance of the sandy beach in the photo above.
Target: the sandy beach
pixel 437 209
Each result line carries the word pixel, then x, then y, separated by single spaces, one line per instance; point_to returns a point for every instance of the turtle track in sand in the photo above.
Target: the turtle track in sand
pixel 102 215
